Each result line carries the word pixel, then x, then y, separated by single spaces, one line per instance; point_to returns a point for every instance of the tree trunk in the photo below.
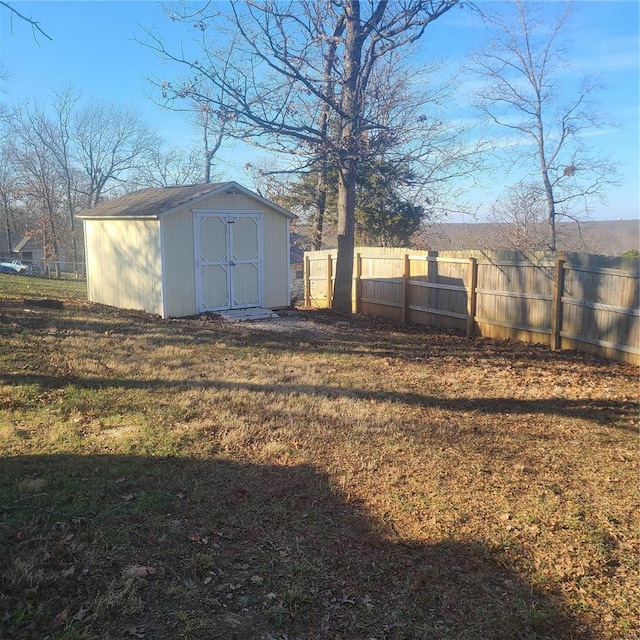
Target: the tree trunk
pixel 54 245
pixel 551 208
pixel 344 263
pixel 329 91
pixel 348 159
pixel 321 206
pixel 544 168
pixel 72 220
pixel 207 166
pixel 208 154
pixel 7 221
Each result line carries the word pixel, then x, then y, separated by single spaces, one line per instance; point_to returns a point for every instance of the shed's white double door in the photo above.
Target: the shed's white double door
pixel 228 260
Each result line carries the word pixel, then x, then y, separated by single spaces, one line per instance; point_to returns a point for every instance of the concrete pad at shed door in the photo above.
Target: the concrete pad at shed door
pixel 243 315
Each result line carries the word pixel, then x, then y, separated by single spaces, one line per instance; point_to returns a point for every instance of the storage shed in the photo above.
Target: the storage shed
pixel 179 251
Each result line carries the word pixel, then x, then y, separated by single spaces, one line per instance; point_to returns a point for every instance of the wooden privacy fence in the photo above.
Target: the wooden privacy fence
pixel 568 301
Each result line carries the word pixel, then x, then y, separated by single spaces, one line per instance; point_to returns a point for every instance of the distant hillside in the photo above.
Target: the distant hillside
pixel 611 237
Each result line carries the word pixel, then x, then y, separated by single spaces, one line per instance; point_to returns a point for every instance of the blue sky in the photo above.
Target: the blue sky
pixel 94 49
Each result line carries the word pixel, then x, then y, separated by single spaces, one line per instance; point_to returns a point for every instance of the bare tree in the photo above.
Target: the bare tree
pixel 59 137
pixel 204 111
pixel 211 126
pixel 518 219
pixel 111 142
pixel 8 194
pixel 298 81
pixel 65 157
pixel 40 181
pixel 167 168
pixel 211 138
pixel 325 115
pixel 526 72
pixel 424 154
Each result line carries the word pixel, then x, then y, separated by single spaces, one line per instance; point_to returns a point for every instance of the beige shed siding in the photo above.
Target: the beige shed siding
pixel 178 267
pixel 123 263
pixel 275 267
pixel 178 251
pixel 179 259
pixel 229 202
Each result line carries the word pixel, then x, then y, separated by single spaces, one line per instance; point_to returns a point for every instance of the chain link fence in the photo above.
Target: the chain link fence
pixel 53 269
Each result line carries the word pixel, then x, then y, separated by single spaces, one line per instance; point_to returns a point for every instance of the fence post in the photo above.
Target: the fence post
pixel 471 295
pixel 307 281
pixel 432 277
pixel 329 280
pixel 556 308
pixel 358 276
pixel 406 272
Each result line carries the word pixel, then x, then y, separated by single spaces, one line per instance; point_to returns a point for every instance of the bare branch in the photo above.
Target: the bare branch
pixel 35 25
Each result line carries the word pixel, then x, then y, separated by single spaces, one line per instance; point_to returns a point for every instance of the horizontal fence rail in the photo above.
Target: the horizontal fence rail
pixel 567 301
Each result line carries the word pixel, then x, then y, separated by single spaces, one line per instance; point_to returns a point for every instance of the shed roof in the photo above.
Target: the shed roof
pixel 157 202
pixel 22 244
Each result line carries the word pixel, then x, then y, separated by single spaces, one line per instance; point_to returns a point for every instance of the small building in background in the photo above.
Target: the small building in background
pixel 21 246
pixel 179 251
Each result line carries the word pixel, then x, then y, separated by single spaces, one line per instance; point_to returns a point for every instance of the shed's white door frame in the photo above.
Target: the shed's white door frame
pixel 228 259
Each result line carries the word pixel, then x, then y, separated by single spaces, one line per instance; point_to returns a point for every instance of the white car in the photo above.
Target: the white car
pixel 16 265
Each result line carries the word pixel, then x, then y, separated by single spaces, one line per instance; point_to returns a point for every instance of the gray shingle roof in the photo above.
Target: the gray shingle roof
pixel 23 243
pixel 150 202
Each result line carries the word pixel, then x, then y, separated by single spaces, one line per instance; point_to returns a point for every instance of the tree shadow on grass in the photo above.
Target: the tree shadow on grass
pixel 605 412
pixel 311 330
pixel 125 546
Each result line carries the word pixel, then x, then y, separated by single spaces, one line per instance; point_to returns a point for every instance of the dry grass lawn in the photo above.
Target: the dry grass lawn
pixel 307 479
